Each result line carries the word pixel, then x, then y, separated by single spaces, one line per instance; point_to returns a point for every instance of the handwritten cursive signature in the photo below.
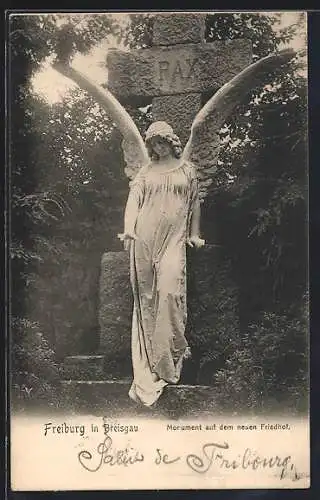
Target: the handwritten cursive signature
pixel 212 456
pixel 110 456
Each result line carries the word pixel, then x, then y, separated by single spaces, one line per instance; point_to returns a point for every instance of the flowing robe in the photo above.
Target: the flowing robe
pixel 159 210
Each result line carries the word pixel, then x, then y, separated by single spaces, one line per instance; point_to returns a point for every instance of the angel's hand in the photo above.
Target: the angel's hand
pixel 187 353
pixel 195 241
pixel 127 237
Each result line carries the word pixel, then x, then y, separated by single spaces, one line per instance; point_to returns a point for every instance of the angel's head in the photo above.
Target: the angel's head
pixel 161 142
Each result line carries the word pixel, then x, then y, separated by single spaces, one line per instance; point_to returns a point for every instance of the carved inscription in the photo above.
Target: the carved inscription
pixel 172 72
pixel 179 69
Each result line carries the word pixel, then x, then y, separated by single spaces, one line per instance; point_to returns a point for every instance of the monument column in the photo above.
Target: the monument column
pixel 177 70
pixel 177 109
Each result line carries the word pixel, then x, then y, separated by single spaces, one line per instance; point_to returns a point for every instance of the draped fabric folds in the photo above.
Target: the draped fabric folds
pixel 159 209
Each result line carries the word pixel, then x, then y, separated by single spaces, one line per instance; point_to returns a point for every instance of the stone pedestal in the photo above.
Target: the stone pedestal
pixel 115 313
pixel 110 397
pixel 84 367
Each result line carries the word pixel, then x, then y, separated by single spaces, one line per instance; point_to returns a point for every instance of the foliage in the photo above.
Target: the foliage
pixel 265 205
pixel 75 203
pixel 138 33
pixel 258 28
pixel 33 38
pixel 260 195
pixel 268 365
pixel 35 373
pixel 49 193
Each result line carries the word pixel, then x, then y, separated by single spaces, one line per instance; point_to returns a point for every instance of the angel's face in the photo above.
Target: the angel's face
pixel 161 147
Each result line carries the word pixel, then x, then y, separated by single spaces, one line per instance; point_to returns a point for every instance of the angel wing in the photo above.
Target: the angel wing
pixel 135 152
pixel 203 145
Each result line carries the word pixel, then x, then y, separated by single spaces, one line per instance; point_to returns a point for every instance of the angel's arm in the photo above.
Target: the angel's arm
pixel 221 104
pixel 195 210
pixel 195 219
pixel 115 110
pixel 194 239
pixel 194 229
pixel 132 207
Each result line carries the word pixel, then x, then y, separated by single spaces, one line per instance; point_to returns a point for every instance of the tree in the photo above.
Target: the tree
pixel 71 239
pixel 261 199
pixel 40 196
pixel 32 40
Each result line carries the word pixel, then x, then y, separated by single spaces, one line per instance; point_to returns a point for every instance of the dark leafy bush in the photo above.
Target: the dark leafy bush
pixel 35 372
pixel 268 366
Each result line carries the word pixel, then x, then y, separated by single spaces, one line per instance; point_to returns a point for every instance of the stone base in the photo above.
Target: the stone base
pixel 115 313
pixel 85 367
pixel 110 398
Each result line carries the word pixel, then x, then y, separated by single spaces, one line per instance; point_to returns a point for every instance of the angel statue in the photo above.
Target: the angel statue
pixel 162 217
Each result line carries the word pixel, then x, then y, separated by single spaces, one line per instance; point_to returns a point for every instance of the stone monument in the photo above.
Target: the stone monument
pixel 177 74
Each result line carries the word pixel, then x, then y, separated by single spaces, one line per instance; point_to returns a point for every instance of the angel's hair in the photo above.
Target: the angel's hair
pixel 173 140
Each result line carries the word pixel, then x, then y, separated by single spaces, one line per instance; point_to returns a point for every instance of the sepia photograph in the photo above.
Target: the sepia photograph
pixel 157 184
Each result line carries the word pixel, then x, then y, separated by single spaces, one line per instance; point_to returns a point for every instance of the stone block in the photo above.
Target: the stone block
pixel 184 68
pixel 115 313
pixel 85 367
pixel 111 398
pixel 179 111
pixel 171 29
